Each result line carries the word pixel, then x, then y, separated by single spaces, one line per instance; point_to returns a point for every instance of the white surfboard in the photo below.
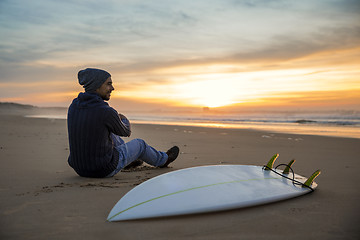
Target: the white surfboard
pixel 205 189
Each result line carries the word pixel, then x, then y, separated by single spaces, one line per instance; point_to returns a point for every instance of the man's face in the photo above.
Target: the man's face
pixel 105 89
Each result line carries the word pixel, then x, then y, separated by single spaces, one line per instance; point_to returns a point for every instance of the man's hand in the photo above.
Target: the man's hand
pixel 122 116
pixel 125 122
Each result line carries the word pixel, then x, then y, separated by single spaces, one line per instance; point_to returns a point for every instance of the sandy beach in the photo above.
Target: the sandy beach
pixel 41 197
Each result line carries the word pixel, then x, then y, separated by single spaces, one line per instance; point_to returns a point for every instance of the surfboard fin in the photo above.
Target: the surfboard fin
pixel 312 178
pixel 270 164
pixel 287 169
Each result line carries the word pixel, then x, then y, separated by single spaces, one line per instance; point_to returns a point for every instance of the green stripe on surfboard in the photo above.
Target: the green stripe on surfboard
pixel 186 190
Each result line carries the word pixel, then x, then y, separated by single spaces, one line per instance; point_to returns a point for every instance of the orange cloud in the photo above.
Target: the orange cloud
pixel 320 100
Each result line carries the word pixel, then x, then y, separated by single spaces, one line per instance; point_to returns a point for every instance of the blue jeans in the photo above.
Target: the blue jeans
pixel 136 149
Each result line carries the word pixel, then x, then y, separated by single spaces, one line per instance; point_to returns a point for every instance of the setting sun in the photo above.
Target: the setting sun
pixel 206 93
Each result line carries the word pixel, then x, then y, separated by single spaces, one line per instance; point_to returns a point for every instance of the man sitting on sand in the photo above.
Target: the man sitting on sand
pixel 94 129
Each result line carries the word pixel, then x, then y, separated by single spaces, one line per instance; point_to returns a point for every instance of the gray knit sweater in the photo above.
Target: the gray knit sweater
pixel 90 121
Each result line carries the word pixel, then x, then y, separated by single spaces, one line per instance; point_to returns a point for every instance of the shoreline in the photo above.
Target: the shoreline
pixel 281 129
pixel 41 197
pixel 286 128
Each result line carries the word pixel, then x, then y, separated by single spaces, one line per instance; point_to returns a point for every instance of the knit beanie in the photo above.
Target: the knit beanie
pixel 92 78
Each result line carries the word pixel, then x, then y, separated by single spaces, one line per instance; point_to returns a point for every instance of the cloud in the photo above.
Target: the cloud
pixel 346 6
pixel 309 100
pixel 132 31
pixel 284 47
pixel 72 31
pixel 279 50
pixel 150 43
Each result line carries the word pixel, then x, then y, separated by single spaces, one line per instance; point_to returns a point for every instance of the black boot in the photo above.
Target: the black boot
pixel 172 155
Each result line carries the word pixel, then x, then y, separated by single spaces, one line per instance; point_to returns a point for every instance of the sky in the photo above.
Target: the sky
pixel 185 54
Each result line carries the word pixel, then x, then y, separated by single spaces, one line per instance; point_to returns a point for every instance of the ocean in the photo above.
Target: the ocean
pixel 334 123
